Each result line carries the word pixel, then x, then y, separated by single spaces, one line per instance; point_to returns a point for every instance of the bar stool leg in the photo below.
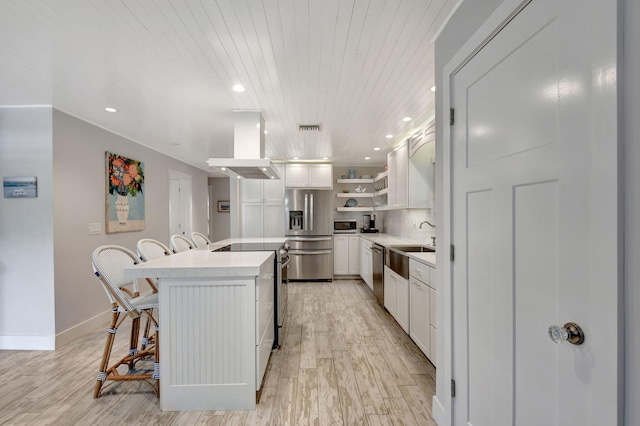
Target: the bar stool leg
pixel 104 364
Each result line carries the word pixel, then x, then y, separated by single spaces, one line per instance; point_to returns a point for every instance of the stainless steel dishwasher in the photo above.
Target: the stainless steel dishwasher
pixel 377 256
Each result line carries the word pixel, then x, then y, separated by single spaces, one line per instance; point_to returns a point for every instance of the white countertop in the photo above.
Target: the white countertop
pixel 200 264
pixel 387 240
pixel 228 241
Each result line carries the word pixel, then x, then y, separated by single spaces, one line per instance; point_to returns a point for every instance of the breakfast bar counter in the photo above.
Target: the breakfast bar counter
pixel 216 327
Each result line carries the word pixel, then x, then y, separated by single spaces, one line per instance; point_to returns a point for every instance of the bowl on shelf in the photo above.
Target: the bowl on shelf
pixel 346 191
pixel 343 177
pixel 365 177
pixel 351 202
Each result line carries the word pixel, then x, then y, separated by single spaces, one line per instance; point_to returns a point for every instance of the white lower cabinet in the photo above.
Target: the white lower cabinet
pixel 422 324
pixel 396 297
pixel 390 286
pixel 265 329
pixel 432 357
pixel 366 262
pixel 402 303
pixel 420 314
pixel 340 255
pixel 346 255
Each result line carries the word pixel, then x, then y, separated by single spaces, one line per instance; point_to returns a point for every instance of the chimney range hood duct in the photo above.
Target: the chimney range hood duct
pixel 248 149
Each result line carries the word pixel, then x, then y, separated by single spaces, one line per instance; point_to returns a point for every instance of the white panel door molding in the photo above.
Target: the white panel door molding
pixel 534 206
pixel 180 204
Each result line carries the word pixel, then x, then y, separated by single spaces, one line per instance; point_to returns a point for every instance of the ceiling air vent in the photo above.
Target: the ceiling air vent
pixel 309 128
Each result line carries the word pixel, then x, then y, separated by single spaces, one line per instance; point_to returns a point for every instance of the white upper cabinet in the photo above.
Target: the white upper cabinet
pixel 309 176
pixel 262 208
pixel 411 174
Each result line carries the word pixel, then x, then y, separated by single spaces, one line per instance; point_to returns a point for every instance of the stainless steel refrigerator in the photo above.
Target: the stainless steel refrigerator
pixel 309 214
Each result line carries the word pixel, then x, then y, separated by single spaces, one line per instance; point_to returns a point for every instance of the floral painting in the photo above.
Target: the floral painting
pixel 125 194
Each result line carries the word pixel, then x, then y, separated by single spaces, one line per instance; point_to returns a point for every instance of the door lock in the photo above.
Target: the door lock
pixel 570 332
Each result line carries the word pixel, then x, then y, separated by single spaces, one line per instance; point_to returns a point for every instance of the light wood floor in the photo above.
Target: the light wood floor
pixel 345 361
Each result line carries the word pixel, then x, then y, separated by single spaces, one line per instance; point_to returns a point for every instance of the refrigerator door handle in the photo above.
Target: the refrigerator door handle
pixel 311 214
pixel 306 212
pixel 314 239
pixel 308 252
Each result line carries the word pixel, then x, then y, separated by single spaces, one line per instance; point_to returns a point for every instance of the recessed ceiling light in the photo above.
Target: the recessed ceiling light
pixel 433 89
pixel 223 168
pixel 389 136
pixel 238 88
pixel 272 177
pixel 367 158
pixel 239 177
pixel 265 132
pixel 406 119
pixel 376 149
pixel 264 169
pixel 325 158
pixel 295 158
pixel 109 109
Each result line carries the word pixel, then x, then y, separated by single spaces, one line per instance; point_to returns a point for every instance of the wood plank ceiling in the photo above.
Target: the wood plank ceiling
pixel 354 66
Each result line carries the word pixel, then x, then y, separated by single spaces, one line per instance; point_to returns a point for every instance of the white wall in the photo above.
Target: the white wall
pixel 219 223
pixel 631 131
pixel 26 232
pixel 79 199
pixel 464 22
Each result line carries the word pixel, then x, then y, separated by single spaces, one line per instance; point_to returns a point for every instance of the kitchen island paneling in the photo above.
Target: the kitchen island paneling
pixel 216 310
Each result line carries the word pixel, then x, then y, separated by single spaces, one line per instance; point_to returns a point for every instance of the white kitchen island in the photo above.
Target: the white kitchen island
pixel 216 327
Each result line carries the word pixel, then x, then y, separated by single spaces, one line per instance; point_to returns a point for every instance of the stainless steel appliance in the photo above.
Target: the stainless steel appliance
pixel 378 272
pixel 369 223
pixel 345 226
pixel 281 264
pixel 308 229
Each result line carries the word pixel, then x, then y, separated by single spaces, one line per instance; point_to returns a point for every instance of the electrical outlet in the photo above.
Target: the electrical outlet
pixel 94 229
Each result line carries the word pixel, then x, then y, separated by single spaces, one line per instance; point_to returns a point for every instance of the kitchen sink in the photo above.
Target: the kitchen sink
pixel 396 259
pixel 414 249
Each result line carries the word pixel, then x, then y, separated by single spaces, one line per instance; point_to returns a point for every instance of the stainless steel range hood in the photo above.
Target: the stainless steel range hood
pixel 248 149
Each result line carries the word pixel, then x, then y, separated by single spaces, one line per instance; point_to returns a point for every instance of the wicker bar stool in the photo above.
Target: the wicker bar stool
pixel 109 263
pixel 149 249
pixel 180 243
pixel 200 240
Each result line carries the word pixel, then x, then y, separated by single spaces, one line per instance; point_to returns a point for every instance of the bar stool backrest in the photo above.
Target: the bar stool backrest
pixel 200 240
pixel 180 243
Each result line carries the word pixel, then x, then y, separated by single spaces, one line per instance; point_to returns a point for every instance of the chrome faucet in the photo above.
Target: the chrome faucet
pixel 427 222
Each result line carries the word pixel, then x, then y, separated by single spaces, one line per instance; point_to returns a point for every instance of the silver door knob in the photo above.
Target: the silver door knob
pixel 570 332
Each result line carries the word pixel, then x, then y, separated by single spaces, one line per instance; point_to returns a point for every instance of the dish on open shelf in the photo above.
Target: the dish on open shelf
pixel 351 202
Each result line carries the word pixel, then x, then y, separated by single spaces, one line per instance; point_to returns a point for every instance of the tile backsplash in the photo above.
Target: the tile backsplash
pixel 400 223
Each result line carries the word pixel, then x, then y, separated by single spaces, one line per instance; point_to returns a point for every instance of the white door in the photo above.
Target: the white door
pixel 180 206
pixel 535 223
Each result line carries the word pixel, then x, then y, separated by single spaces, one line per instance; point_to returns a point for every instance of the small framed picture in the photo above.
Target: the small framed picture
pixel 20 186
pixel 224 206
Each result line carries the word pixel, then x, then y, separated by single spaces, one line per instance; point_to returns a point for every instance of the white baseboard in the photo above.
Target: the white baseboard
pixel 82 329
pixel 438 412
pixel 50 343
pixel 28 343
